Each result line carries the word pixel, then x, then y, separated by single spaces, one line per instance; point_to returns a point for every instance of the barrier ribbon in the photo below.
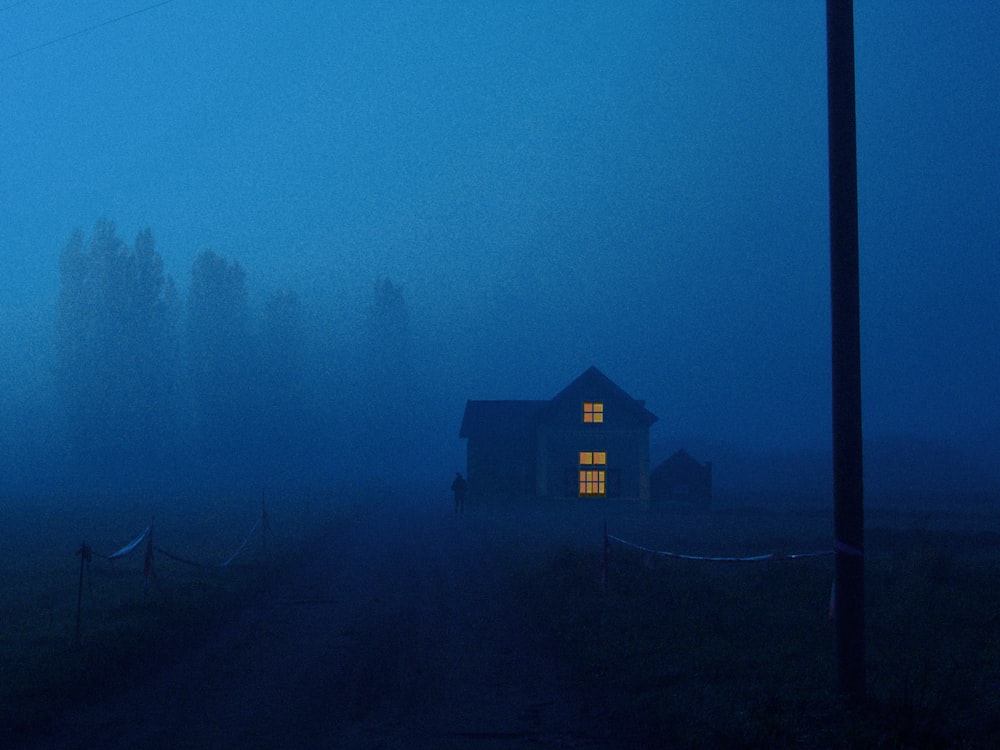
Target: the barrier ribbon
pixel 847 549
pixel 244 544
pixel 224 563
pixel 128 547
pixel 751 558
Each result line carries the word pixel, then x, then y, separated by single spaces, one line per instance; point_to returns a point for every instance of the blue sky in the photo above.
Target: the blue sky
pixel 554 185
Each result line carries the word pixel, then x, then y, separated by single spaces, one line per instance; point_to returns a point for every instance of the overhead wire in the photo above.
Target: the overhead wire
pixel 80 32
pixel 9 6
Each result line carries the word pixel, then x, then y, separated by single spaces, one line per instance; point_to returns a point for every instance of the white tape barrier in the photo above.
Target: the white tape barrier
pixel 130 546
pixel 224 563
pixel 244 544
pixel 752 558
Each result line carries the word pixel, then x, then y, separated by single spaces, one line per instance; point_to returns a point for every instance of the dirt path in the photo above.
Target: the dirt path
pixel 401 635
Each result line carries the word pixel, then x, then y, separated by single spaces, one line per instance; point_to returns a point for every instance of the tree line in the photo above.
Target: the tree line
pixel 152 387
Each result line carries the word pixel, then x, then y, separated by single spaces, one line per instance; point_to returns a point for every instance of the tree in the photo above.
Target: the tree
pixel 219 360
pixel 386 403
pixel 115 344
pixel 389 336
pixel 281 353
pixel 282 411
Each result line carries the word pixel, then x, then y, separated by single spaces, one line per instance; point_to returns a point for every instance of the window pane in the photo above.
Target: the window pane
pixel 592 482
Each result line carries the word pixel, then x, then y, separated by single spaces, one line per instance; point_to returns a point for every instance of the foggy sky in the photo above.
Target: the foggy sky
pixel 554 185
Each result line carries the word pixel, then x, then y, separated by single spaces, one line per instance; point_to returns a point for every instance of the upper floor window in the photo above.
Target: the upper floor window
pixel 593 411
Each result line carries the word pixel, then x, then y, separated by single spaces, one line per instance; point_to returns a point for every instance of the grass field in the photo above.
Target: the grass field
pixel 674 653
pixel 128 627
pixel 681 653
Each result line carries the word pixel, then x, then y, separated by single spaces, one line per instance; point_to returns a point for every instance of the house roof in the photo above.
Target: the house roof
pixel 593 381
pixel 498 418
pixel 510 418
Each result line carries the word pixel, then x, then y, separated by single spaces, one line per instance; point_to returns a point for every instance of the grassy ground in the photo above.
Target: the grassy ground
pixel 128 628
pixel 682 653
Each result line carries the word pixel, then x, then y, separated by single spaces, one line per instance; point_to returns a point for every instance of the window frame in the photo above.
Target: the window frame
pixel 592 474
pixel 593 412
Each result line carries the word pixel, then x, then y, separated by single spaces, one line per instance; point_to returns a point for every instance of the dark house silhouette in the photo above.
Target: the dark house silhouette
pixel 682 479
pixel 590 440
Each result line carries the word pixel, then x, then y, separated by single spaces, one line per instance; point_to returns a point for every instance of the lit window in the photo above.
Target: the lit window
pixel 593 411
pixel 593 481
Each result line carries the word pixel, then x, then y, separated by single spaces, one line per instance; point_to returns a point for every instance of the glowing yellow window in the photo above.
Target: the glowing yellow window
pixel 593 481
pixel 593 411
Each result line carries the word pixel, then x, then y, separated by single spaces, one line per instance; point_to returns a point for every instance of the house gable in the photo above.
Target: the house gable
pixel 619 410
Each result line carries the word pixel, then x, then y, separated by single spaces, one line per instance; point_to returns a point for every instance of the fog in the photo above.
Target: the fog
pixel 436 202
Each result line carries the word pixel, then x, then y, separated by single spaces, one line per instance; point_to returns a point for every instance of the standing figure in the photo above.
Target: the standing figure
pixel 459 487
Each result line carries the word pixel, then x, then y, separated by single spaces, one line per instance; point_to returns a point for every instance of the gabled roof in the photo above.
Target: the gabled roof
pixel 498 418
pixel 509 419
pixel 593 382
pixel 681 460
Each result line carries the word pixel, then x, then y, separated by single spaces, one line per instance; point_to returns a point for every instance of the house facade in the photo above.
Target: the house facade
pixel 591 440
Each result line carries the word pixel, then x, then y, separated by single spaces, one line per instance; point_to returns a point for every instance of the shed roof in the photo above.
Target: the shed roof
pixel 679 461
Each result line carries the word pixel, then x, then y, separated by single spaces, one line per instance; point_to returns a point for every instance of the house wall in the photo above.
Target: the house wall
pixel 533 447
pixel 495 467
pixel 559 454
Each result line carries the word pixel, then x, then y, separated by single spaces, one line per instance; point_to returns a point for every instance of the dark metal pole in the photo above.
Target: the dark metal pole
pixel 848 488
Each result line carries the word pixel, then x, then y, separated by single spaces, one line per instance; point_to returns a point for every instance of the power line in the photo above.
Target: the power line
pixel 8 6
pixel 80 32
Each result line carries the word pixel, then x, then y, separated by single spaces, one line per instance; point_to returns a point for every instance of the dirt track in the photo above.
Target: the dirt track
pixel 402 634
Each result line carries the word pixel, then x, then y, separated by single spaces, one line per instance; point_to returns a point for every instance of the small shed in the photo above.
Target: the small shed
pixel 682 479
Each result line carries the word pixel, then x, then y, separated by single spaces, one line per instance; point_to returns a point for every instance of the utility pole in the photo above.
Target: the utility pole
pixel 848 487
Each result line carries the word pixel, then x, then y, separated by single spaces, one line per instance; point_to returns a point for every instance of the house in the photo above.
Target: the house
pixel 590 440
pixel 682 479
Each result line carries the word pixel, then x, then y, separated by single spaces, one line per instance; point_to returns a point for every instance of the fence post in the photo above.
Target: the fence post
pixel 264 525
pixel 147 564
pixel 604 560
pixel 85 554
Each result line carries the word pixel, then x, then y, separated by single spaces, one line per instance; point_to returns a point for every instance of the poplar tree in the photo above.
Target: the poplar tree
pixel 116 354
pixel 218 349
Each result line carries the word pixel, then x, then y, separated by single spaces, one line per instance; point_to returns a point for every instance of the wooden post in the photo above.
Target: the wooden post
pixel 604 560
pixel 85 555
pixel 148 571
pixel 848 489
pixel 265 527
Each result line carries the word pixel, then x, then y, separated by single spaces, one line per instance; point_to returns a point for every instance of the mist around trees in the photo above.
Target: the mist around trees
pixel 156 391
pixel 222 380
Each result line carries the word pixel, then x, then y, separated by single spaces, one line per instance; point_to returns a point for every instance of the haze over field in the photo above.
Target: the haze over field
pixel 545 186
